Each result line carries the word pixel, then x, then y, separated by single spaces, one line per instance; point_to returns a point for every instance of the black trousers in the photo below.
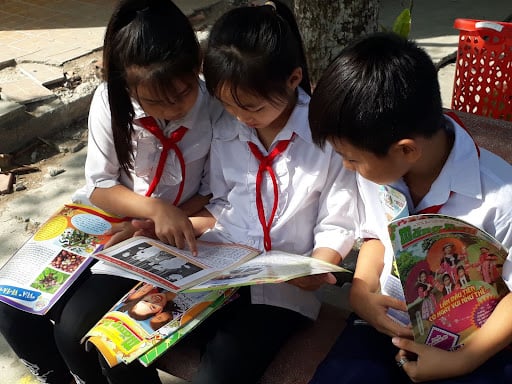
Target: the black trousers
pixel 362 355
pixel 50 345
pixel 238 341
pixel 237 344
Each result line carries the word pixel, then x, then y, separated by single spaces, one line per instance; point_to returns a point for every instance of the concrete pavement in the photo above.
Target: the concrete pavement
pixel 52 33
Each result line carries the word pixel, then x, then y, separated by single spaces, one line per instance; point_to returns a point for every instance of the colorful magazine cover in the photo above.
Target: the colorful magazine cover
pixel 39 273
pixel 451 274
pixel 143 318
pixel 159 349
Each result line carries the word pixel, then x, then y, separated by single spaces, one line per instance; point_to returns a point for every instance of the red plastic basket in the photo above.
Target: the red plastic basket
pixel 483 71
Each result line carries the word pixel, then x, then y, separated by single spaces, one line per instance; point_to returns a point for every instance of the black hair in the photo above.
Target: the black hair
pixel 380 89
pixel 255 49
pixel 424 286
pixel 150 43
pixel 446 275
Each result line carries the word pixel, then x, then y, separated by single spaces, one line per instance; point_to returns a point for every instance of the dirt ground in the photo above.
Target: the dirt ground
pixel 34 163
pixel 38 159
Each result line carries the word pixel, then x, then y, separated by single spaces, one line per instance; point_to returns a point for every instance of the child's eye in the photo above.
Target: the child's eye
pixel 255 110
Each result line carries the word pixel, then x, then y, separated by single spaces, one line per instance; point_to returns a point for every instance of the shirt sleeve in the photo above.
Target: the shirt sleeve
pixel 337 213
pixel 101 166
pixel 217 182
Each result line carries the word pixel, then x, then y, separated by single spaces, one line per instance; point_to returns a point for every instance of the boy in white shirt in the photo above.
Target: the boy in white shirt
pixel 379 105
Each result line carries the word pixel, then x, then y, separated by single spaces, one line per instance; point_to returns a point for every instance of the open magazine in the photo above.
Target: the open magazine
pixel 148 317
pixel 217 265
pixel 39 273
pixel 268 267
pixel 450 271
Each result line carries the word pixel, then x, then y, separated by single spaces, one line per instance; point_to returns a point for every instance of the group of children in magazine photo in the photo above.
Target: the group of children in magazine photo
pixel 226 154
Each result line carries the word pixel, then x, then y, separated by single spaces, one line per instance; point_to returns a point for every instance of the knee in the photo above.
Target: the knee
pixel 69 331
pixel 12 318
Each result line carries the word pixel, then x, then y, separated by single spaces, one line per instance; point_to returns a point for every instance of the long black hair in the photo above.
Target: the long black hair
pixel 256 49
pixel 150 43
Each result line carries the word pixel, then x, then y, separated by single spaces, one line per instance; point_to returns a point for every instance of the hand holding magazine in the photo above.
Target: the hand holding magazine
pixel 451 274
pixel 447 271
pixel 189 287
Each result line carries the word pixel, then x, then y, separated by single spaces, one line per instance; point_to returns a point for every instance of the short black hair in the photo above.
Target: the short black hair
pixel 380 89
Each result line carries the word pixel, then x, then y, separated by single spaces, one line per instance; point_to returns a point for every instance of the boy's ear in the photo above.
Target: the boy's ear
pixel 408 149
pixel 295 78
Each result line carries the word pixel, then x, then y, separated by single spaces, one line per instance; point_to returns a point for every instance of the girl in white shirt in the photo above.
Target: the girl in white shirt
pixel 151 84
pixel 300 200
pixel 152 89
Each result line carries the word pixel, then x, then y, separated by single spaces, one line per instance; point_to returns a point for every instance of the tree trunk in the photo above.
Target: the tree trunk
pixel 328 25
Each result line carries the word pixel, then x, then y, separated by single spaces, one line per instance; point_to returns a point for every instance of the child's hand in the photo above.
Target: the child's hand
pixel 373 308
pixel 431 363
pixel 119 231
pixel 144 227
pixel 313 282
pixel 172 226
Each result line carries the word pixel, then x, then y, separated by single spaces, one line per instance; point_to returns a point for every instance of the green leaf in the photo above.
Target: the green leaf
pixel 402 24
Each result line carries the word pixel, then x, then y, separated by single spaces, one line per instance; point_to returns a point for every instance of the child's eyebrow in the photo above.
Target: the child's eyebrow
pixel 243 106
pixel 149 99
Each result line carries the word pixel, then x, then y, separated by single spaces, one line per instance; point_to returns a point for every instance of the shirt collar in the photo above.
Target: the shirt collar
pixel 460 173
pixel 462 168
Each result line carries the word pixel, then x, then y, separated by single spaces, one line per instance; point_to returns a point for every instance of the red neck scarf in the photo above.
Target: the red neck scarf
pixel 266 165
pixel 168 143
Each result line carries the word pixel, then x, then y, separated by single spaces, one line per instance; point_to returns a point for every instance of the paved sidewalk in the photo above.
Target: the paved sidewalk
pixel 42 43
pixel 52 32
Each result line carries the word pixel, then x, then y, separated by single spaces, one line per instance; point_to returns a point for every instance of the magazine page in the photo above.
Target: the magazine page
pixel 37 275
pixel 394 204
pixel 142 319
pixel 158 350
pixel 106 268
pixel 269 267
pixel 451 274
pixel 172 268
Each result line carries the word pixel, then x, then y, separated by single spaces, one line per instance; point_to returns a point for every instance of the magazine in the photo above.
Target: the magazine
pixel 268 267
pixel 158 350
pixel 450 271
pixel 145 317
pixel 394 204
pixel 230 264
pixel 39 273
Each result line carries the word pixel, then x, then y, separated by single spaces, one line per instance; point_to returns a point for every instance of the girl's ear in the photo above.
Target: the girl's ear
pixel 408 149
pixel 295 78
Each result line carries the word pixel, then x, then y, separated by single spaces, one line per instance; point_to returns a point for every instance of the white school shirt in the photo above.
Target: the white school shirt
pixel 316 199
pixel 482 196
pixel 102 167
